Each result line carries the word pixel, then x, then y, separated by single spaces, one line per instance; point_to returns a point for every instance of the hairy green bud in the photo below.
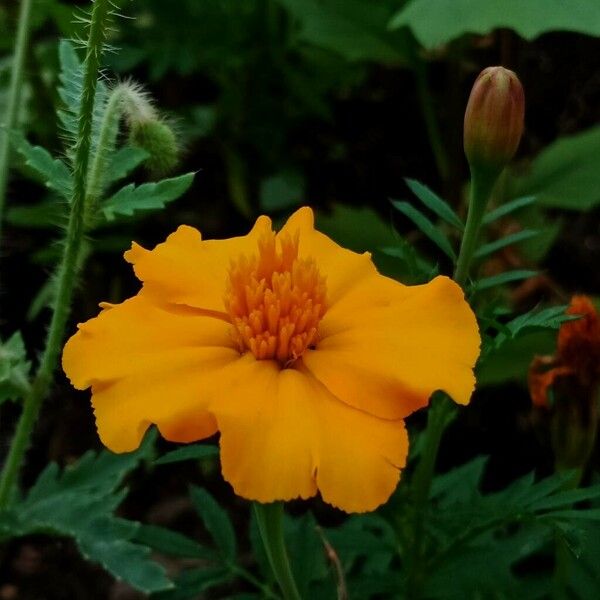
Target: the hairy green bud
pixel 158 139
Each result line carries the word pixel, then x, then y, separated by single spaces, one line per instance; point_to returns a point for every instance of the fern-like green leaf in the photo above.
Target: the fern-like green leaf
pixel 148 196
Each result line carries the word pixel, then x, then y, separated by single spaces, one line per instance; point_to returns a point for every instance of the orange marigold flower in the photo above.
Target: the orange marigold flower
pixel 296 350
pixel 577 355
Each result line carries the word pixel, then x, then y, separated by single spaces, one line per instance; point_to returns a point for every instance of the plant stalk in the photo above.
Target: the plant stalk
pixel 441 413
pixel 270 525
pixel 482 184
pixel 67 272
pixel 14 96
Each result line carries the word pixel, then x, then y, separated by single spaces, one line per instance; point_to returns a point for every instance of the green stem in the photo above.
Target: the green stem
pixel 109 130
pixel 440 415
pixel 270 525
pixel 14 95
pixel 431 122
pixel 67 271
pixel 482 184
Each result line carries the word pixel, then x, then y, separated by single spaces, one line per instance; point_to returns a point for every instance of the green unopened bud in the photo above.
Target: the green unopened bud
pixel 494 120
pixel 158 139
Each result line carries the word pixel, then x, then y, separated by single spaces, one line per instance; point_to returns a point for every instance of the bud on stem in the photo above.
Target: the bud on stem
pixel 492 131
pixel 494 119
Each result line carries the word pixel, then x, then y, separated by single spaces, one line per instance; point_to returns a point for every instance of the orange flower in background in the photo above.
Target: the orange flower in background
pixel 296 350
pixel 577 355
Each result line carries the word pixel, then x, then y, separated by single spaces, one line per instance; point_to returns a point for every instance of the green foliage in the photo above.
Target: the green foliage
pixel 508 208
pixel 432 201
pixel 437 22
pixel 70 90
pixel 356 30
pixel 497 530
pixel 486 283
pixel 148 196
pixel 427 227
pixel 508 240
pixel 216 521
pixel 14 368
pixel 566 174
pixel 192 452
pixel 79 502
pixel 51 172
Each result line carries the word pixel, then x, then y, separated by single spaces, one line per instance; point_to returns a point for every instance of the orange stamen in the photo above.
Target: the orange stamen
pixel 275 300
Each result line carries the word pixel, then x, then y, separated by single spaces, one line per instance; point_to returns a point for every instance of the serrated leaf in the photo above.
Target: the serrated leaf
pixel 171 543
pixel 53 172
pixel 432 201
pixel 548 318
pixel 79 503
pixel 124 161
pixel 436 22
pixel 426 226
pixel 507 208
pixel 565 174
pixel 193 452
pixel 508 277
pixel 216 521
pixel 148 196
pixel 14 368
pixel 124 559
pixel 69 91
pixel 508 240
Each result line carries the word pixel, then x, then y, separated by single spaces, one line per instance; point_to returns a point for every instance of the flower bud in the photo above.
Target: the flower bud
pixel 158 139
pixel 494 119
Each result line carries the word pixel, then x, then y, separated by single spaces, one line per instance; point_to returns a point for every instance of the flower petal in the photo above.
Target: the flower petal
pixel 387 357
pixel 188 270
pixel 342 268
pixel 283 435
pixel 146 365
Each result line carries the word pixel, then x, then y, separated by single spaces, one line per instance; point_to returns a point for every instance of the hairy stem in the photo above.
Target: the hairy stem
pixel 270 525
pixel 14 96
pixel 67 271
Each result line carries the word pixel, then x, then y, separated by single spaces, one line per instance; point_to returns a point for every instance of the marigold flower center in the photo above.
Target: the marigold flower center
pixel 275 300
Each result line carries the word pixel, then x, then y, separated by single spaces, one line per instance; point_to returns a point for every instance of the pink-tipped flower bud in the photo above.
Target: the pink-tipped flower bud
pixel 494 119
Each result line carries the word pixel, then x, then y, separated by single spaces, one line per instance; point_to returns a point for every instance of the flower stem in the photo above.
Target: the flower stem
pixel 270 525
pixel 482 184
pixel 441 413
pixel 14 95
pixel 67 271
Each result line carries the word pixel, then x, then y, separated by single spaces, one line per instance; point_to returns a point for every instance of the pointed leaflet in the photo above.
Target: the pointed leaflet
pixel 427 227
pixel 193 452
pixel 432 201
pixel 513 238
pixel 506 209
pixel 53 172
pixel 148 196
pixel 216 521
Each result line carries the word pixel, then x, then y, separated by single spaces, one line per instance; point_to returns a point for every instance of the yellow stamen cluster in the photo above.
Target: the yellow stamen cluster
pixel 275 300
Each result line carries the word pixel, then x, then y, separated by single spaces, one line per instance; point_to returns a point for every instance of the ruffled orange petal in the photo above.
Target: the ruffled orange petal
pixel 147 365
pixel 387 356
pixel 342 268
pixel 188 270
pixel 283 436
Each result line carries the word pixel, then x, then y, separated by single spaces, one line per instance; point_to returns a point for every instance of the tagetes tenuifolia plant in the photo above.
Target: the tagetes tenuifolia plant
pixel 296 350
